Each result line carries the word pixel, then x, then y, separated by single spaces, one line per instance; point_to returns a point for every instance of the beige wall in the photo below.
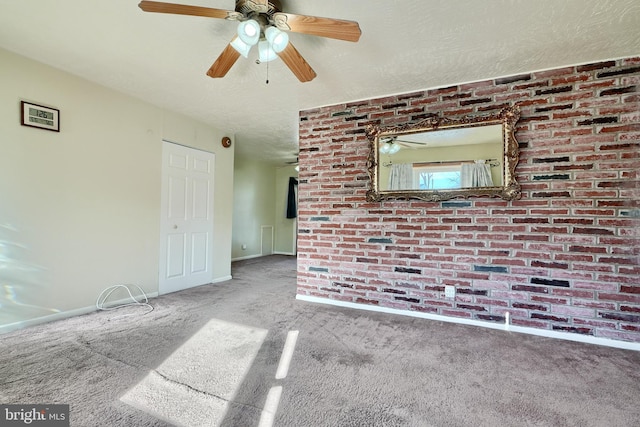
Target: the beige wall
pixel 80 209
pixel 253 205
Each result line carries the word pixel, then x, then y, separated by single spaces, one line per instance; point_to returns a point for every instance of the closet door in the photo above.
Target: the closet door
pixel 187 218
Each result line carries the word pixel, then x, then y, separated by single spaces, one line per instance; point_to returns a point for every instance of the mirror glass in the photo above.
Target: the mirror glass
pixel 440 158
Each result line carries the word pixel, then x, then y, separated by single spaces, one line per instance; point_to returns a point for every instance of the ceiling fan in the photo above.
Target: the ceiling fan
pixel 262 22
pixel 391 145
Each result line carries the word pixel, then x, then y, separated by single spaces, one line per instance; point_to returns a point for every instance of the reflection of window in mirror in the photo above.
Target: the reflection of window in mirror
pixel 445 177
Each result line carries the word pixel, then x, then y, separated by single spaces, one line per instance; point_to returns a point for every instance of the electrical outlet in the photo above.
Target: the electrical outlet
pixel 449 291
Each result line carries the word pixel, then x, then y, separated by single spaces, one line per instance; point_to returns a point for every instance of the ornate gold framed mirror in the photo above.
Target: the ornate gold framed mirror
pixel 441 158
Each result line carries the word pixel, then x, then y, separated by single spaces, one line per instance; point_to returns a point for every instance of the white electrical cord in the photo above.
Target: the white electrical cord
pixel 104 295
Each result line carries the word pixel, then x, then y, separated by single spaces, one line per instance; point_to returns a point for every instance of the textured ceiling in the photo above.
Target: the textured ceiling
pixel 406 45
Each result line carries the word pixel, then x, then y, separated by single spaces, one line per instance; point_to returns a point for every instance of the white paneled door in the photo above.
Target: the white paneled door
pixel 187 218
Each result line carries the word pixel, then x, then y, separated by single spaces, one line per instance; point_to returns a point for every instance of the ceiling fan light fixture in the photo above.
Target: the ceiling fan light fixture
pixel 242 48
pixel 389 148
pixel 266 52
pixel 249 31
pixel 278 39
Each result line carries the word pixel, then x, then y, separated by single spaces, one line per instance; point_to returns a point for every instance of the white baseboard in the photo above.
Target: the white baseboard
pixel 80 311
pixel 60 316
pixel 260 256
pixel 504 326
pixel 242 258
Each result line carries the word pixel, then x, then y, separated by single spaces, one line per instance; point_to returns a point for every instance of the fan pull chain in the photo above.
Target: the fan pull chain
pixel 267 72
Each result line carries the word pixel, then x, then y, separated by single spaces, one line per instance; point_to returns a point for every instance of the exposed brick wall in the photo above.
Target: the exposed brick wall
pixel 564 257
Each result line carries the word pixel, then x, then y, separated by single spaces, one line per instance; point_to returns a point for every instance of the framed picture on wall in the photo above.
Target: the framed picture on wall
pixel 38 116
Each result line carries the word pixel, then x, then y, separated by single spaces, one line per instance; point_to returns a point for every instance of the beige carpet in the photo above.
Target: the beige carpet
pixel 246 353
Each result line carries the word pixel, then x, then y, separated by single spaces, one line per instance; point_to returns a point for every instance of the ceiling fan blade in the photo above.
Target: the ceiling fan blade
pixel 406 145
pixel 316 26
pixel 297 64
pixel 225 61
pixel 410 142
pixel 183 9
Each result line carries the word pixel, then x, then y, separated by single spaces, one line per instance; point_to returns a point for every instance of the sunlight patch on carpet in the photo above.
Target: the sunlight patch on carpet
pixel 194 386
pixel 270 407
pixel 287 355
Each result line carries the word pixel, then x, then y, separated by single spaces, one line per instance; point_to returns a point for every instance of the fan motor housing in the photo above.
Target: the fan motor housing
pixel 247 7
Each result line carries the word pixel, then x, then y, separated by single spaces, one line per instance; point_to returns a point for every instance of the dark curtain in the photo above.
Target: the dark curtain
pixel 292 210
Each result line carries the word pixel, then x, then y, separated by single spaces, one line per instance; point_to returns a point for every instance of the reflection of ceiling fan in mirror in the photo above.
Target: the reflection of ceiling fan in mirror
pixel 294 163
pixel 262 23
